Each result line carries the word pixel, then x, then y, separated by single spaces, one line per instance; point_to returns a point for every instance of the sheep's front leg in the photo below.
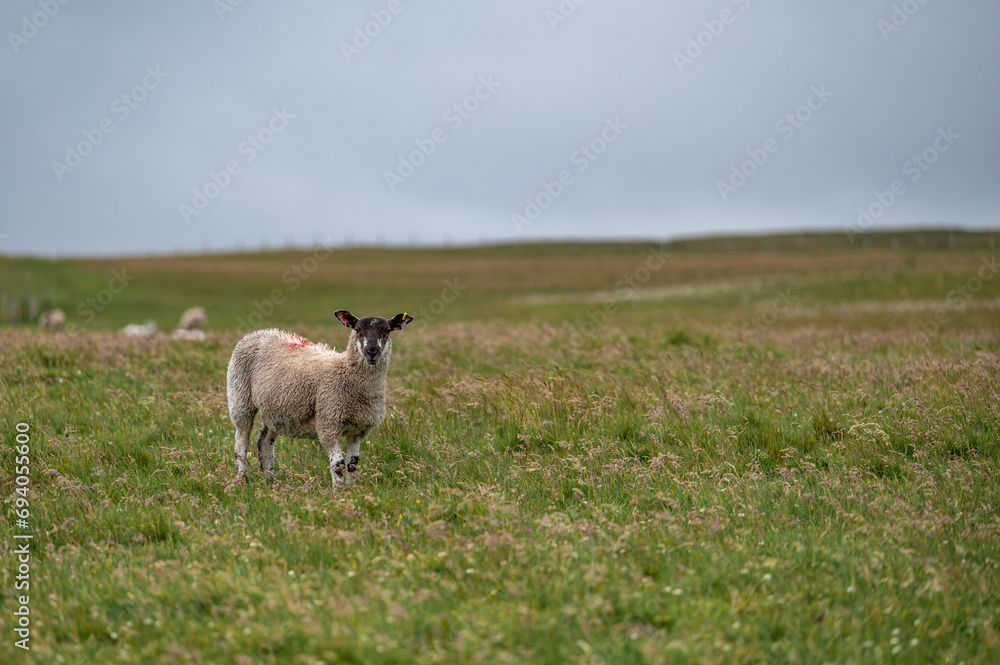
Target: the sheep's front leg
pixel 336 456
pixel 353 456
pixel 265 451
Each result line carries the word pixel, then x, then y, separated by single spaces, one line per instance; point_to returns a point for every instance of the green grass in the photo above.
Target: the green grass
pixel 668 486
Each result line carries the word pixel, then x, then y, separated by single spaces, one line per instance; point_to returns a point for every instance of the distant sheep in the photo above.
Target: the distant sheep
pixel 53 320
pixel 146 329
pixel 189 335
pixel 306 390
pixel 193 319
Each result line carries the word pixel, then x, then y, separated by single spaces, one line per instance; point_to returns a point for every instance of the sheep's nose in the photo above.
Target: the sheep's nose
pixel 371 352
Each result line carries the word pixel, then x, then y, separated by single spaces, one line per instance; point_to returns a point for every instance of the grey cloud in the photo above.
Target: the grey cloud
pixel 324 174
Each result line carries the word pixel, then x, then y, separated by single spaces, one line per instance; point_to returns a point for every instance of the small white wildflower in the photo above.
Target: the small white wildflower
pixel 766 577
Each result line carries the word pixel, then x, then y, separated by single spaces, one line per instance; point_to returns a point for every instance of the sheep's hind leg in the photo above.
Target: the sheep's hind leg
pixel 242 444
pixel 335 453
pixel 265 451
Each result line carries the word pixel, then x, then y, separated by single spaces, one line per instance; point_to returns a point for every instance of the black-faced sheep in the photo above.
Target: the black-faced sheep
pixel 53 320
pixel 306 390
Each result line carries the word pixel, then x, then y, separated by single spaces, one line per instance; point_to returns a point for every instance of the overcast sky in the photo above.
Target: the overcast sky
pixel 154 127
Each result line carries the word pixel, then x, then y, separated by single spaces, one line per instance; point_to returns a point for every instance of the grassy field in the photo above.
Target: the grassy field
pixel 722 451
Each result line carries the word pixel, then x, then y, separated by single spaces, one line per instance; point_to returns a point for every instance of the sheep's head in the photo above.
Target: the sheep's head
pixel 371 334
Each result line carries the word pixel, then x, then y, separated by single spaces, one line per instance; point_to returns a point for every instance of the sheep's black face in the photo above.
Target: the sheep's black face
pixel 373 338
pixel 372 333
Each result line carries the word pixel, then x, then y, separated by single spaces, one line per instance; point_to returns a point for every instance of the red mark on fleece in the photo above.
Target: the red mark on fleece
pixel 297 342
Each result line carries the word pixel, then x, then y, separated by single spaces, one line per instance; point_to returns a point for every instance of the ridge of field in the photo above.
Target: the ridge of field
pixel 787 453
pixel 537 282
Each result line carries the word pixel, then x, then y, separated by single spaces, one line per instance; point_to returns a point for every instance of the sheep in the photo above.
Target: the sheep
pixel 189 335
pixel 190 326
pixel 53 320
pixel 193 318
pixel 307 390
pixel 147 329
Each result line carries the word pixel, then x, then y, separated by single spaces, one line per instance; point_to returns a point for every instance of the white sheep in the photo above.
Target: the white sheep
pixel 306 390
pixel 53 320
pixel 147 329
pixel 189 335
pixel 193 318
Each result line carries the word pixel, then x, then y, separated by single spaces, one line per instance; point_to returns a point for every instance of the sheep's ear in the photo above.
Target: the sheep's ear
pixel 346 317
pixel 399 321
